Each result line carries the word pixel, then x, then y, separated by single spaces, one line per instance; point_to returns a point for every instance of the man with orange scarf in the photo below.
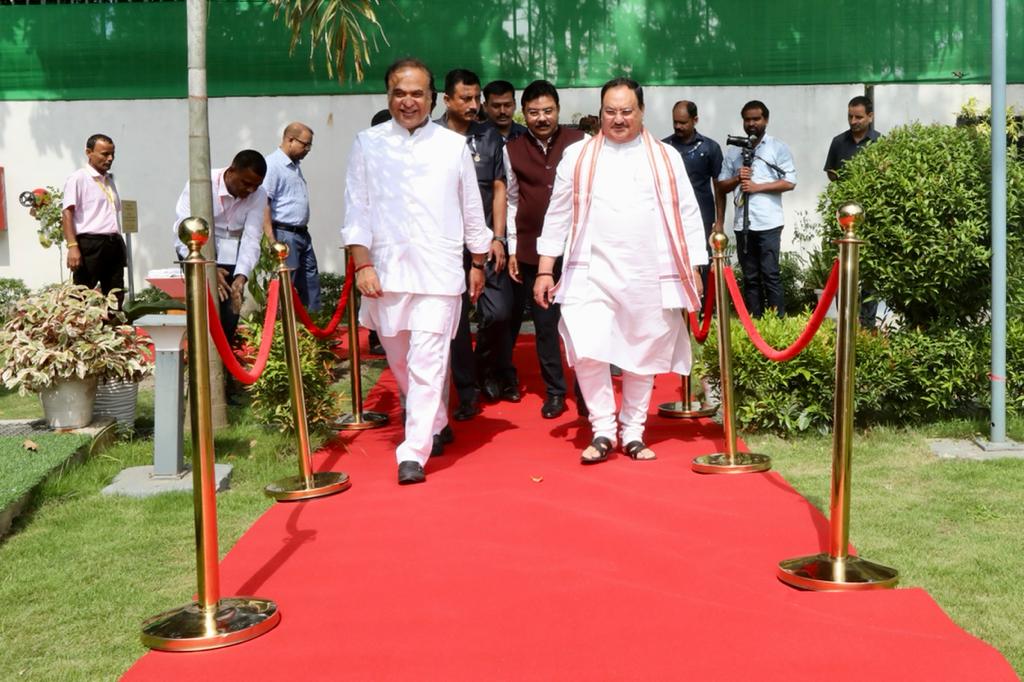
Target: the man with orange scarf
pixel 624 217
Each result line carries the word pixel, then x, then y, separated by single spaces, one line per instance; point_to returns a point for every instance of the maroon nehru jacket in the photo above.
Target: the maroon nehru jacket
pixel 535 173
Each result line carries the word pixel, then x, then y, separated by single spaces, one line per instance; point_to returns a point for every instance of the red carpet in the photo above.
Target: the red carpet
pixel 515 562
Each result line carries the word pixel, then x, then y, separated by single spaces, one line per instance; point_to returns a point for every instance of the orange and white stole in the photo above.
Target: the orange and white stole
pixel 676 266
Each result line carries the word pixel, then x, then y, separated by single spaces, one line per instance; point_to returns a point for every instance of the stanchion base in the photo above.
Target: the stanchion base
pixel 680 410
pixel 742 463
pixel 360 422
pixel 825 573
pixel 294 487
pixel 193 628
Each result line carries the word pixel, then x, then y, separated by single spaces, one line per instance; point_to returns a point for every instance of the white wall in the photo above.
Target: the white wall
pixel 42 142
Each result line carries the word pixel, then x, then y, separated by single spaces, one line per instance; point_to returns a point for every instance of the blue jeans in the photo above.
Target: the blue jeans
pixel 302 260
pixel 758 253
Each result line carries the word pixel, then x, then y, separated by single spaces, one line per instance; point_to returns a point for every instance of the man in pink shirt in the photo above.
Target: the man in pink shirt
pixel 91 219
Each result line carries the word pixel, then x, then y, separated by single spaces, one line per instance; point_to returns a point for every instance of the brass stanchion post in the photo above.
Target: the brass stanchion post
pixel 308 483
pixel 730 461
pixel 838 570
pixel 357 420
pixel 683 408
pixel 210 622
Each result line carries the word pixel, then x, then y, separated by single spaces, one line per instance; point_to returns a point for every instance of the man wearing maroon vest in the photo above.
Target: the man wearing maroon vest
pixel 530 163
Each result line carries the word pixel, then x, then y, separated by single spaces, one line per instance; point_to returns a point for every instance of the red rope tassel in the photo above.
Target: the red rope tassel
pixel 224 348
pixel 339 311
pixel 806 335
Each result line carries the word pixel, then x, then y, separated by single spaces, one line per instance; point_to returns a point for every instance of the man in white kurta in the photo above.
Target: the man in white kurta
pixel 625 218
pixel 411 202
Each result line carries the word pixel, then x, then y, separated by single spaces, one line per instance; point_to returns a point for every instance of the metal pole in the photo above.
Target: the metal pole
pixel 210 622
pixel 837 570
pixel 683 408
pixel 730 461
pixel 997 432
pixel 357 420
pixel 308 483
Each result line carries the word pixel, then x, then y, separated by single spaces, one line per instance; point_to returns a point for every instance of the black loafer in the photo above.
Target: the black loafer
pixel 511 394
pixel 441 439
pixel 466 411
pixel 490 390
pixel 410 472
pixel 553 407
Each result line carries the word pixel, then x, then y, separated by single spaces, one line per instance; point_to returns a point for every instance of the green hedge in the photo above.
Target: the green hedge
pixel 900 378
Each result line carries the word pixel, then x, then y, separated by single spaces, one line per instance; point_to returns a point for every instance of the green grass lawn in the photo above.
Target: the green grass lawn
pixel 22 468
pixel 949 526
pixel 82 570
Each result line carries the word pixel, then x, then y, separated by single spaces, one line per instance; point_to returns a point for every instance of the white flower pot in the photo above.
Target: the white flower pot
pixel 117 399
pixel 68 404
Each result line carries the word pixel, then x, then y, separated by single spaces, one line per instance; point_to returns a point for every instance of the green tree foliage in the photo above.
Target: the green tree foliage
pixel 926 196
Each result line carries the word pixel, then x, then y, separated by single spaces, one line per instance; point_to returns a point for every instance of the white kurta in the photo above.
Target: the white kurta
pixel 413 201
pixel 614 306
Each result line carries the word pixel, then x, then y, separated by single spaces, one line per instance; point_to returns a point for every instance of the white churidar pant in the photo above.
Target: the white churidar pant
pixel 596 384
pixel 419 361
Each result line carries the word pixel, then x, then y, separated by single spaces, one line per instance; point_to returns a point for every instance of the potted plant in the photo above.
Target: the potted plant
pixel 60 341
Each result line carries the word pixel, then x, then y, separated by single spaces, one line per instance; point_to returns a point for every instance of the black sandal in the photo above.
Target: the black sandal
pixel 634 448
pixel 603 447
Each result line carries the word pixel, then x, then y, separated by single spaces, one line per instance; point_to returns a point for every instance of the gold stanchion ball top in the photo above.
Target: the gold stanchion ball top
pixel 718 241
pixel 850 216
pixel 280 250
pixel 194 232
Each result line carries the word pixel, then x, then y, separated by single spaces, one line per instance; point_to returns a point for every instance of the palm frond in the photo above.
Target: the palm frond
pixel 338 25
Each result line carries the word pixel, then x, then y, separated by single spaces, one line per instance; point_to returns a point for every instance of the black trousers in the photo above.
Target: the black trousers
pixel 228 317
pixel 492 358
pixel 758 253
pixel 104 257
pixel 545 322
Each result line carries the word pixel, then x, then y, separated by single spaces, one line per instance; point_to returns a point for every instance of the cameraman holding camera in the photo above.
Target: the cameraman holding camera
pixel 759 168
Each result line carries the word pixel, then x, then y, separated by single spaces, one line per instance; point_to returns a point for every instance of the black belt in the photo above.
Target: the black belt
pixel 92 235
pixel 290 228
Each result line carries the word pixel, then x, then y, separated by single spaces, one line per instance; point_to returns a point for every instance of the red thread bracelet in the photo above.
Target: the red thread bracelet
pixel 362 267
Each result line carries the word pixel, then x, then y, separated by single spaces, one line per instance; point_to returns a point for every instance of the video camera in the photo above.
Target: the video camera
pixel 746 145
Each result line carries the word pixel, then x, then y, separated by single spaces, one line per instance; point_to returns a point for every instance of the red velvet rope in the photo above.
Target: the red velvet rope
pixel 700 331
pixel 339 311
pixel 805 336
pixel 266 338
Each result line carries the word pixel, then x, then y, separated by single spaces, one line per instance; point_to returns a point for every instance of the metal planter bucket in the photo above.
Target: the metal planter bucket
pixel 117 399
pixel 68 404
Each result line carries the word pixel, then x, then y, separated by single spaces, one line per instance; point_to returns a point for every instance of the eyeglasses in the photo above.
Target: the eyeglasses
pixel 305 145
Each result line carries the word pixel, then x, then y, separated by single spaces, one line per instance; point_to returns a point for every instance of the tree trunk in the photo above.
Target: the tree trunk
pixel 201 191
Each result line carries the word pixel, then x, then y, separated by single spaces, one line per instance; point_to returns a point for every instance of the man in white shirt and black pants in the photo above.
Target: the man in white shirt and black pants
pixel 411 203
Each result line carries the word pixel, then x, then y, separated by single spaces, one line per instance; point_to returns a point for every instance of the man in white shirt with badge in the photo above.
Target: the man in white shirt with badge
pixel 238 207
pixel 411 203
pixel 91 221
pixel 624 218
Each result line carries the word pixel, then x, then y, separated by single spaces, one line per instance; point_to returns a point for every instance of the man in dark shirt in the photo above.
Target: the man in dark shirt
pixel 530 164
pixel 493 349
pixel 860 113
pixel 500 107
pixel 702 157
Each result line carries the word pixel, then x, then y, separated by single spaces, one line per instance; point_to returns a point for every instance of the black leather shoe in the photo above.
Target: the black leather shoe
pixel 447 435
pixel 440 440
pixel 466 411
pixel 511 394
pixel 491 391
pixel 410 472
pixel 553 407
pixel 377 349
